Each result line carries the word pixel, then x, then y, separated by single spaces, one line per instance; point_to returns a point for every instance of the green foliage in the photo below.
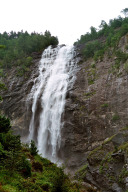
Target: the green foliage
pixel 1 99
pixel 24 166
pixel 2 152
pixel 90 94
pixel 109 35
pixel 1 73
pixel 33 148
pixel 115 117
pixel 124 147
pixel 105 30
pixel 99 55
pixel 91 48
pixel 2 86
pixel 2 47
pixel 81 173
pixel 4 124
pixel 91 75
pixel 104 105
pixel 22 169
pixel 17 48
pixel 23 65
pixel 113 39
pixel 124 29
pixel 125 12
pixel 11 142
pixel 93 65
pixel 101 169
pixel 121 56
pixel 122 175
pixel 126 66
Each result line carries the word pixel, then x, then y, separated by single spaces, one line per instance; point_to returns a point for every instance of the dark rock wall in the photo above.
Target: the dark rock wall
pixel 96 108
pixel 15 104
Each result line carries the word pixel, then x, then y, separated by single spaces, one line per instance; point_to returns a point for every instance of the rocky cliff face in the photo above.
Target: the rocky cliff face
pixel 95 131
pixel 15 104
pixel 95 118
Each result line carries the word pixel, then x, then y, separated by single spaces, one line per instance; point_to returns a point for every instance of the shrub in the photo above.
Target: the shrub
pixel 91 48
pixel 104 105
pixel 37 166
pixel 4 124
pixel 115 117
pixel 24 166
pixel 93 65
pixel 121 56
pixel 33 148
pixel 11 142
pixel 2 152
pixel 99 54
pixel 2 86
pixel 124 29
pixel 58 180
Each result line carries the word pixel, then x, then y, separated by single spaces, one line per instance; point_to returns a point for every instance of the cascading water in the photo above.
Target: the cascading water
pixel 56 75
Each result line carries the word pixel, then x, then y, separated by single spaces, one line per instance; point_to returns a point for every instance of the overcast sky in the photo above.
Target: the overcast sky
pixel 67 19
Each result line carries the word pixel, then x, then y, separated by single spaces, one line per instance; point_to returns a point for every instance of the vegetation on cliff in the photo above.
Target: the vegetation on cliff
pixel 105 69
pixel 16 49
pixel 109 162
pixel 98 41
pixel 22 169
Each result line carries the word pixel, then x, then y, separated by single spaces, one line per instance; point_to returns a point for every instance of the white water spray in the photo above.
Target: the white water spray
pixel 56 75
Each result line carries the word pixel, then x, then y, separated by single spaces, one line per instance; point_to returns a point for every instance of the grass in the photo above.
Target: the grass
pixel 90 94
pixel 51 179
pixel 23 169
pixel 124 147
pixel 109 139
pixel 115 117
pixel 104 105
pixel 45 176
pixel 81 173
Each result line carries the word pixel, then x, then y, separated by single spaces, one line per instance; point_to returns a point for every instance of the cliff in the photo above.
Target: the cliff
pixel 14 104
pixel 95 131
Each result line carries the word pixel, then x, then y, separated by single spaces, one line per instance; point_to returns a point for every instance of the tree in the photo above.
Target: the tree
pixel 47 34
pixel 33 148
pixel 4 124
pixel 125 12
pixel 103 24
pixel 93 32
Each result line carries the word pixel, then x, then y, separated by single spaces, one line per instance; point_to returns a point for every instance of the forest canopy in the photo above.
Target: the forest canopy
pixel 16 48
pixel 107 36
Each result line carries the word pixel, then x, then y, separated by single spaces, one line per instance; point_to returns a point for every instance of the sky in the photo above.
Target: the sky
pixel 66 19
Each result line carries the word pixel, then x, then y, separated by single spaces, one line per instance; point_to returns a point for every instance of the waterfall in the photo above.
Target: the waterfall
pixel 56 76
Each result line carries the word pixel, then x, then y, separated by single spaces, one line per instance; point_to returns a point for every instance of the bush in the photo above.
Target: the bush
pixel 4 124
pixel 124 29
pixel 11 142
pixel 2 86
pixel 104 105
pixel 58 181
pixel 99 54
pixel 24 166
pixel 121 56
pixel 2 152
pixel 33 148
pixel 91 48
pixel 115 117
